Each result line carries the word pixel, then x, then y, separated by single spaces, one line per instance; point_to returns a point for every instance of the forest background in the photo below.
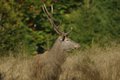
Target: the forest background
pixel 25 28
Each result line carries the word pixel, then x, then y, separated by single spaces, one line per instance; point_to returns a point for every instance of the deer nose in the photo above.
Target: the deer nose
pixel 77 46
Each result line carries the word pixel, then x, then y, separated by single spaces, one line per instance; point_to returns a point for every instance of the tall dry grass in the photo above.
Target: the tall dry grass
pixel 15 68
pixel 94 63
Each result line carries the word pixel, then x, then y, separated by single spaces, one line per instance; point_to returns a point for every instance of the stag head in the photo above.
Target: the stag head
pixel 63 41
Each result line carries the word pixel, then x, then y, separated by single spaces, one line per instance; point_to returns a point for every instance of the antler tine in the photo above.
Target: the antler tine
pixel 69 31
pixel 50 18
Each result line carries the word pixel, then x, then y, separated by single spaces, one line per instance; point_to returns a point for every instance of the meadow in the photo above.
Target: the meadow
pixel 28 27
pixel 95 63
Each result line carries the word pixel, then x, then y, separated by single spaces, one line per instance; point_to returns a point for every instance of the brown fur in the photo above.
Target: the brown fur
pixel 49 63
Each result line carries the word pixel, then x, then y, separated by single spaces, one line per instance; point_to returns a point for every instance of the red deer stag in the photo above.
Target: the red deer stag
pixel 47 66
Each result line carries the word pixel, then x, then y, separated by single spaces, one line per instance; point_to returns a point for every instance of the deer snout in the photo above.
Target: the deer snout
pixel 77 46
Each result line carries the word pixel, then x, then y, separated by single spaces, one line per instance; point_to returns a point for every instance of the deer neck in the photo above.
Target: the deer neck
pixel 57 52
pixel 57 47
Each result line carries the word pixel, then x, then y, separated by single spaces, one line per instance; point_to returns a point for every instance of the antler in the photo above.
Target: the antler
pixel 51 19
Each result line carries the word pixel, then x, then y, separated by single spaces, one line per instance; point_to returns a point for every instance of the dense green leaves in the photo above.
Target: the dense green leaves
pixel 95 21
pixel 23 24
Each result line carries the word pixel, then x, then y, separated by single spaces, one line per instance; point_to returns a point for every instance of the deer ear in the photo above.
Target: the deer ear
pixel 63 38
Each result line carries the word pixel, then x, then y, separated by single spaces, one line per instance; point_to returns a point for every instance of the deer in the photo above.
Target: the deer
pixel 47 66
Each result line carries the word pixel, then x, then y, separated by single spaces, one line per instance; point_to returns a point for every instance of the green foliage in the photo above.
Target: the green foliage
pixel 96 21
pixel 17 27
pixel 24 24
pixel 10 27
